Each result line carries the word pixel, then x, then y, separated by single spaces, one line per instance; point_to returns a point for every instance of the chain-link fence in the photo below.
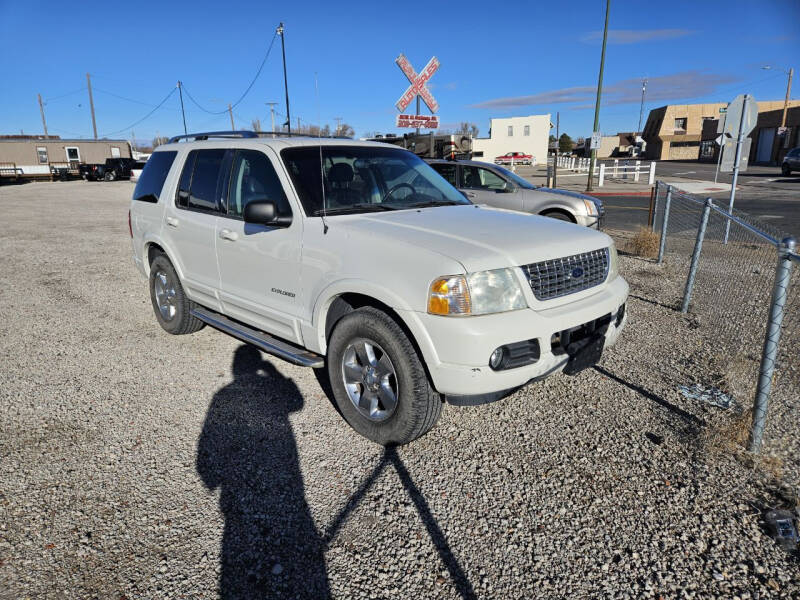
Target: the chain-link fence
pixel 732 275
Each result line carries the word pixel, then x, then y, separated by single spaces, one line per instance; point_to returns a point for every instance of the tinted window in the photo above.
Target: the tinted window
pixel 254 178
pixel 186 180
pixel 447 171
pixel 205 180
pixel 148 188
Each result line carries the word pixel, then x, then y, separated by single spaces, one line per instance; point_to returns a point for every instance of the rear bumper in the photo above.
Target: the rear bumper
pixel 457 350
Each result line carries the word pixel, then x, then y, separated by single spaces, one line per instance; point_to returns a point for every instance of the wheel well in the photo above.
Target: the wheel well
pixel 347 303
pixel 153 250
pixel 561 211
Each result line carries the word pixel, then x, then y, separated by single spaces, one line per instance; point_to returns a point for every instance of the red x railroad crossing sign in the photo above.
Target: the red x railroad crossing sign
pixel 418 82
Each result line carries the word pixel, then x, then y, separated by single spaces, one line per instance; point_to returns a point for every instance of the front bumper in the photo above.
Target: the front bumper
pixel 457 350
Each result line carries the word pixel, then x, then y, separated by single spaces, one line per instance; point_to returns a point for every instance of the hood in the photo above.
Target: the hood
pixel 478 237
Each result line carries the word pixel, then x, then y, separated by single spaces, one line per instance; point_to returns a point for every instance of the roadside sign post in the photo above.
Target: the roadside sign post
pixel 720 140
pixel 746 119
pixel 418 89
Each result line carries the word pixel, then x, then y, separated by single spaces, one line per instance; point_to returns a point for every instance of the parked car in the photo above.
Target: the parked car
pixel 113 168
pixel 791 162
pixel 357 257
pixel 136 170
pixel 484 183
pixel 516 158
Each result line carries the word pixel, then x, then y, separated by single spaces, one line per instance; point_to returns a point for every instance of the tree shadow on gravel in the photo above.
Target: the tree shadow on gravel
pixel 270 546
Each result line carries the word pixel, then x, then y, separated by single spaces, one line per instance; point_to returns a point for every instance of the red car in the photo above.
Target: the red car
pixel 518 158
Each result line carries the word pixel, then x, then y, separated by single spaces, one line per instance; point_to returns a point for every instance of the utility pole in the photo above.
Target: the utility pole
pixel 230 112
pixel 41 110
pixel 180 91
pixel 338 124
pixel 558 147
pixel 597 103
pixel 91 104
pixel 133 140
pixel 272 114
pixel 298 124
pixel 786 102
pixel 641 108
pixel 285 81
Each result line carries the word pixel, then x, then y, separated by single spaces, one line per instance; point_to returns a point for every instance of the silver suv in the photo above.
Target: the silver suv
pixel 484 183
pixel 358 258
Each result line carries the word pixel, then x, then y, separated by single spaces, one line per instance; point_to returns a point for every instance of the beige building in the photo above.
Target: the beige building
pixel 528 135
pixel 674 132
pixel 31 155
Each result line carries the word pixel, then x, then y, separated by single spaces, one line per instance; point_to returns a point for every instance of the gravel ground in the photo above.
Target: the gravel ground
pixel 141 465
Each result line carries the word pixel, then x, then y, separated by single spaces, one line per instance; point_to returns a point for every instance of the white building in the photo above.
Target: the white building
pixel 514 134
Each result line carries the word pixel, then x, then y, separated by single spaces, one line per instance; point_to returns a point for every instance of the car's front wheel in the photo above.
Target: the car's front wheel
pixel 379 383
pixel 785 169
pixel 110 176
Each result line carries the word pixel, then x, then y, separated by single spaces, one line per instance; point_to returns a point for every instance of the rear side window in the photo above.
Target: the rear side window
pixel 151 181
pixel 204 180
pixel 448 171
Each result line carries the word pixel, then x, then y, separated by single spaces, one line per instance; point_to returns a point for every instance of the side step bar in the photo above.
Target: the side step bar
pixel 259 339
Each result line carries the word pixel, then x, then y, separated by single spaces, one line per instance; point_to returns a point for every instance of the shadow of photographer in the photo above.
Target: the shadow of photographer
pixel 270 546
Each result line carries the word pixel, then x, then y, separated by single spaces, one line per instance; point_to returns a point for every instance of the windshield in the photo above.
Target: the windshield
pixel 523 183
pixel 364 179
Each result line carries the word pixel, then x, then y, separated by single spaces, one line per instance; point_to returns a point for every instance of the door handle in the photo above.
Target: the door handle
pixel 172 221
pixel 227 234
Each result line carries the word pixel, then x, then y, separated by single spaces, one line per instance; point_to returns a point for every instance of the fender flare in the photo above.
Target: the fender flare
pixel 151 239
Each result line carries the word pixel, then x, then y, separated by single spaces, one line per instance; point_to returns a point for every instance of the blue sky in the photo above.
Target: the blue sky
pixel 534 58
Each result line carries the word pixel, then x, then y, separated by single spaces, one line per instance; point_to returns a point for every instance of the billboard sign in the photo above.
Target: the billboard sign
pixel 420 121
pixel 418 85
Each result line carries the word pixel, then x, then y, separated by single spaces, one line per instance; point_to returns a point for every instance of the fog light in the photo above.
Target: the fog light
pixel 496 359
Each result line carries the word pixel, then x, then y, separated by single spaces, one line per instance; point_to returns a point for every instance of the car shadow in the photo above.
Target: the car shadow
pixel 247 450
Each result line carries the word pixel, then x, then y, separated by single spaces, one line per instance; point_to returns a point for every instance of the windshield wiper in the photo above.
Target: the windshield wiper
pixel 362 207
pixel 428 203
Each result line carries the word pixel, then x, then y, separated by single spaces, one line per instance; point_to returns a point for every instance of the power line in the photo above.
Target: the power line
pixel 72 93
pixel 97 89
pixel 132 125
pixel 249 87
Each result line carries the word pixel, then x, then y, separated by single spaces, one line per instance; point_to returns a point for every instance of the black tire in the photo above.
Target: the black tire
pixel 180 321
pixel 110 176
pixel 418 406
pixel 558 215
pixel 785 170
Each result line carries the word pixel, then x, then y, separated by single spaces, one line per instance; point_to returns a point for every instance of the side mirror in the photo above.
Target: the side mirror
pixel 264 212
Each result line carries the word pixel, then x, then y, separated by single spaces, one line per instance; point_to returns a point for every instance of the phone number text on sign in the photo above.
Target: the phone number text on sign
pixel 422 121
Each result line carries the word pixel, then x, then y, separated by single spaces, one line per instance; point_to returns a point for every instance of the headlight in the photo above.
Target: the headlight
pixel 613 262
pixel 591 207
pixel 478 293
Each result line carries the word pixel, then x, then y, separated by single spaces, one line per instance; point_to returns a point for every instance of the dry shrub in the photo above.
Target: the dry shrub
pixel 644 243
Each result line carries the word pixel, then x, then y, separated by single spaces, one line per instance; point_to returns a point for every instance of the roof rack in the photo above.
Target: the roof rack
pixel 244 133
pixel 216 134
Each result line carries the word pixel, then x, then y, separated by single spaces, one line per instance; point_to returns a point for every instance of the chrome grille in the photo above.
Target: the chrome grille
pixel 562 276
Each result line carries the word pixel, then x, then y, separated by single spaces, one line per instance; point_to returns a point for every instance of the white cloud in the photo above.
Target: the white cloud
pixel 635 36
pixel 678 86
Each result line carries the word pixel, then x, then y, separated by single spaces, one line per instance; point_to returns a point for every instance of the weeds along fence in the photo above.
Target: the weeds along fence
pixel 738 279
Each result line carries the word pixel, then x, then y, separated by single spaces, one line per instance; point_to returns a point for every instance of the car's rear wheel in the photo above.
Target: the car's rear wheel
pixel 785 169
pixel 170 304
pixel 110 176
pixel 379 383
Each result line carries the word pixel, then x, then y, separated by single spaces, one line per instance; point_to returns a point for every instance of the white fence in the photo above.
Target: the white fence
pixel 626 171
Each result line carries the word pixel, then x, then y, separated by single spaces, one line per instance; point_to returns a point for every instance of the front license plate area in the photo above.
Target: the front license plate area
pixel 584 354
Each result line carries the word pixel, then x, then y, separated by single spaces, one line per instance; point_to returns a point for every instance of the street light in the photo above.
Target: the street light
pixel 790 72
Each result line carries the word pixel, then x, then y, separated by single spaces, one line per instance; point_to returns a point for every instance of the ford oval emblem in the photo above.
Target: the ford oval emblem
pixel 577 273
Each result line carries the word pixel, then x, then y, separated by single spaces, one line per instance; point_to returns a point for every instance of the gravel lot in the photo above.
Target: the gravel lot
pixel 134 464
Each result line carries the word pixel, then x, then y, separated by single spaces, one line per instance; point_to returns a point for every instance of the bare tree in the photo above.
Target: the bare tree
pixel 468 128
pixel 256 124
pixel 346 130
pixel 158 140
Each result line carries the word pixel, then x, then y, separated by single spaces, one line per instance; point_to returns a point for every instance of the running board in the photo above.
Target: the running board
pixel 259 339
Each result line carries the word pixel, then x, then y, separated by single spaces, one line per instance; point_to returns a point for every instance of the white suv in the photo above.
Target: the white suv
pixel 359 257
